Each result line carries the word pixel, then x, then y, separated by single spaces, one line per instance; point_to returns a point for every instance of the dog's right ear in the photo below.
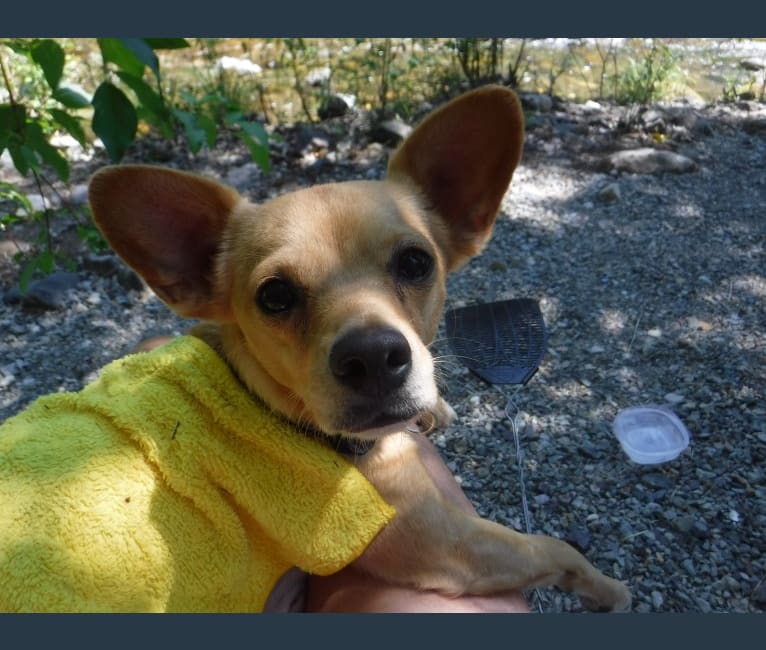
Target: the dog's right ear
pixel 461 158
pixel 167 225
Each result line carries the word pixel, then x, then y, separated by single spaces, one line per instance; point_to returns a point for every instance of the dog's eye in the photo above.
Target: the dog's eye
pixel 414 265
pixel 276 297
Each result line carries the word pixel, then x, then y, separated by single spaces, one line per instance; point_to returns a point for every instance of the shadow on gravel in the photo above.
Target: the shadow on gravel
pixel 657 298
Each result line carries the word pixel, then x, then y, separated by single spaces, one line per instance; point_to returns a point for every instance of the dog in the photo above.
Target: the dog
pixel 323 302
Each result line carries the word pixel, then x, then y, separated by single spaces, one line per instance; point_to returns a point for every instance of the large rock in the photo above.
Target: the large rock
pixel 650 161
pixel 52 291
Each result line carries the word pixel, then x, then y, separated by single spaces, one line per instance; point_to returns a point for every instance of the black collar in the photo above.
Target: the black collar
pixel 347 446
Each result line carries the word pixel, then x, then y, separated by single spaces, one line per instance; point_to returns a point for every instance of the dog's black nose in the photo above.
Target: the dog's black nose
pixel 371 361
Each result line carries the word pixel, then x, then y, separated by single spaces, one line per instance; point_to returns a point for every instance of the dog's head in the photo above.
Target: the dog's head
pixel 326 298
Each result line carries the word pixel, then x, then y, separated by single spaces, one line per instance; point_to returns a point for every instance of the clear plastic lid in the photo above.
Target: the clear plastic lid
pixel 650 434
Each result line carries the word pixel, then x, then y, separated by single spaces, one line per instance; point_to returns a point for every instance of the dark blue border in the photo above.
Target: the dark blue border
pixel 366 632
pixel 220 18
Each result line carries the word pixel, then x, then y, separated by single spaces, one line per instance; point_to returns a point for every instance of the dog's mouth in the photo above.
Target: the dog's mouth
pixel 366 422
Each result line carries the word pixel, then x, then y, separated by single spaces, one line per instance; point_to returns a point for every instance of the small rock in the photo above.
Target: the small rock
pixel 684 523
pixel 101 264
pixel 610 193
pixel 542 499
pixel 537 102
pixel 688 566
pixel 655 333
pixel 759 594
pixel 650 161
pixel 703 605
pixel 596 349
pixel 626 529
pixel 318 77
pixel 656 481
pixel 700 529
pixel 390 131
pixel 589 450
pixel 333 106
pixel 654 120
pixel 6 378
pixel 240 178
pixel 674 398
pixel 242 65
pixel 78 195
pixel 579 537
pixel 657 600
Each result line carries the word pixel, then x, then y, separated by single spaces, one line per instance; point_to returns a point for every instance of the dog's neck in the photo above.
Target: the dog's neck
pixel 347 446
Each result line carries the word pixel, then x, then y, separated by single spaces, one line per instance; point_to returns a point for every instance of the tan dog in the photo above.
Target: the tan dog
pixel 324 301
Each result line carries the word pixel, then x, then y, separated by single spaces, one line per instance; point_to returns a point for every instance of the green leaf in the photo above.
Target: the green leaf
pixel 153 108
pixel 114 119
pixel 113 50
pixel 49 55
pixel 143 52
pixel 46 262
pixel 12 117
pixel 146 95
pixel 27 273
pixel 23 158
pixel 70 97
pixel 167 43
pixel 208 125
pixel 71 124
pixel 9 193
pixel 258 152
pixel 38 141
pixel 255 130
pixel 195 132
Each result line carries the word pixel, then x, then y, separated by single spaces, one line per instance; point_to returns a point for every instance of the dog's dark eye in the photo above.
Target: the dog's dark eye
pixel 413 265
pixel 275 296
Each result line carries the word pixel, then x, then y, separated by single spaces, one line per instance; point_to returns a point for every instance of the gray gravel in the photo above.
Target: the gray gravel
pixel 654 292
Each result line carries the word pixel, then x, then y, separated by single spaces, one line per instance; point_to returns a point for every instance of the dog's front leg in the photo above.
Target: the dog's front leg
pixel 434 544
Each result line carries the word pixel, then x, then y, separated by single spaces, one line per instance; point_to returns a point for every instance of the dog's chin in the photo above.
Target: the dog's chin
pixel 380 424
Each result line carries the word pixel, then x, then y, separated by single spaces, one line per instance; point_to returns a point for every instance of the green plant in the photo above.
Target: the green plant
pixel 299 50
pixel 607 53
pixel 38 102
pixel 643 82
pixel 479 58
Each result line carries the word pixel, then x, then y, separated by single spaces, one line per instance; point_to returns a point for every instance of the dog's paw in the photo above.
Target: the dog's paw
pixel 613 596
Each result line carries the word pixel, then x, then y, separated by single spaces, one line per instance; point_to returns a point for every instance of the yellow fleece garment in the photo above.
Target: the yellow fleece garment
pixel 164 486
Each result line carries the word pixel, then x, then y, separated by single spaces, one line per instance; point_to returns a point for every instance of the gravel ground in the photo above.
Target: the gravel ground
pixel 653 290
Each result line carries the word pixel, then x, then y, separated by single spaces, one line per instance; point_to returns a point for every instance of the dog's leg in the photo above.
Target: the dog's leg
pixel 432 544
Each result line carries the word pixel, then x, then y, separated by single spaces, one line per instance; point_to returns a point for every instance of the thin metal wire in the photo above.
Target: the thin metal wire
pixel 512 418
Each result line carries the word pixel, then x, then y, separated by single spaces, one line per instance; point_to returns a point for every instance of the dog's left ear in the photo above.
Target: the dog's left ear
pixel 168 226
pixel 462 158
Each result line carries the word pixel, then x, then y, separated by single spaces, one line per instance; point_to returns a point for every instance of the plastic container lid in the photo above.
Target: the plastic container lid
pixel 650 434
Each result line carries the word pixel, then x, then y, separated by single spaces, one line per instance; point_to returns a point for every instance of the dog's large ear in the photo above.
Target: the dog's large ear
pixel 461 158
pixel 167 225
